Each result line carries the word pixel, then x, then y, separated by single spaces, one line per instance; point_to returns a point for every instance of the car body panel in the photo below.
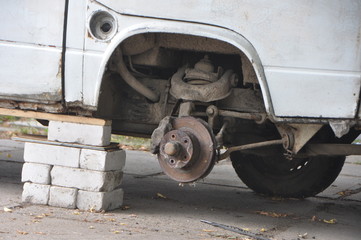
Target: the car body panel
pixel 317 42
pixel 31 36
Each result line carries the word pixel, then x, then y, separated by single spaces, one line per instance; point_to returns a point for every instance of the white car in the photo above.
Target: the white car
pixel 277 83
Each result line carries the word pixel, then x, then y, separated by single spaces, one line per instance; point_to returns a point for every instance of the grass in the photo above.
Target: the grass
pixel 12 129
pixel 4 119
pixel 31 131
pixel 132 143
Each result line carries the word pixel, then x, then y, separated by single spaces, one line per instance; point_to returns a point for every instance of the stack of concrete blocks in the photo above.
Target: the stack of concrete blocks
pixel 79 176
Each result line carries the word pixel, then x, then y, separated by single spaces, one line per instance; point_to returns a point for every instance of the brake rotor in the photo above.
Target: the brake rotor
pixel 187 153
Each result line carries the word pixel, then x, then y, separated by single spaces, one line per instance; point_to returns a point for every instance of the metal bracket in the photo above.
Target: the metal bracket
pixel 298 134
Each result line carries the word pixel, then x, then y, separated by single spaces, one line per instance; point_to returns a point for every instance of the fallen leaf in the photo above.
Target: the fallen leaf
pixel 22 233
pixel 125 207
pixel 92 209
pixel 303 235
pixel 40 233
pixel 108 214
pixel 263 230
pixel 159 195
pixel 8 210
pixel 345 193
pixel 208 230
pixel 133 215
pixel 39 217
pixel 111 219
pixel 349 192
pixel 76 213
pixel 331 221
pixel 277 199
pixel 116 232
pixel 122 224
pixel 91 227
pixel 272 214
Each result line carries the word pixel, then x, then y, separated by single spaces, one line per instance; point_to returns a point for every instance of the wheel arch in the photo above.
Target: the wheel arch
pixel 192 29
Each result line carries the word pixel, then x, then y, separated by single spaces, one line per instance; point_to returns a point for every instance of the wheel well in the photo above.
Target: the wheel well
pixel 154 58
pixel 162 50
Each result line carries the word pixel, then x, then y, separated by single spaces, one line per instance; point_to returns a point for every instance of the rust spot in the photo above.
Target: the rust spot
pixel 44 45
pixel 59 75
pixel 9 41
pixel 89 35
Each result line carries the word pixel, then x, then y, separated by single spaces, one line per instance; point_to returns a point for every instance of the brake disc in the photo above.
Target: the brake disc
pixel 187 153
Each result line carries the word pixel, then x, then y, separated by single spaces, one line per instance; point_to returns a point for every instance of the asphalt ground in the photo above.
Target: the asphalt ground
pixel 156 207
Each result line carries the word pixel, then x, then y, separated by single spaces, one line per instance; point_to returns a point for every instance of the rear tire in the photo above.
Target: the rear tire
pixel 276 176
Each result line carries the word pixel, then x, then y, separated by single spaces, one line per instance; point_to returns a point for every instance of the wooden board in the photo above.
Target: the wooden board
pixel 43 140
pixel 54 117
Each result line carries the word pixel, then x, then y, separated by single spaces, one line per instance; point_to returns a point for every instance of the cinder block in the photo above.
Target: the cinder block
pixel 36 173
pixel 51 154
pixel 87 180
pixel 36 193
pixel 102 160
pixel 63 197
pixel 100 200
pixel 79 133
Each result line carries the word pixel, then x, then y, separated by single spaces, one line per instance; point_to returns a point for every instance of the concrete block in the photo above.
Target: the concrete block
pixel 102 160
pixel 36 173
pixel 79 133
pixel 51 154
pixel 100 200
pixel 36 193
pixel 63 197
pixel 87 180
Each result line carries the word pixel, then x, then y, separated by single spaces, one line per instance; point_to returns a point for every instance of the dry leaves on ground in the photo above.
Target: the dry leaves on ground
pixel 316 219
pixel 331 221
pixel 159 195
pixel 6 209
pixel 272 214
pixel 22 232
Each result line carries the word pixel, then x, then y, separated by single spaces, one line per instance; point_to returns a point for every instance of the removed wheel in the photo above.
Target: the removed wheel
pixel 276 176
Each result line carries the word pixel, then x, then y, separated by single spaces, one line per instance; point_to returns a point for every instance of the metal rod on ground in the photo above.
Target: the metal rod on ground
pixel 236 230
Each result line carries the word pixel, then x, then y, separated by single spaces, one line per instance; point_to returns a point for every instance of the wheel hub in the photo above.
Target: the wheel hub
pixel 187 152
pixel 179 148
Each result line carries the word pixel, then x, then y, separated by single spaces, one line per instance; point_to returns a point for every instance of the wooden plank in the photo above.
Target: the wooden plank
pixel 54 117
pixel 43 140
